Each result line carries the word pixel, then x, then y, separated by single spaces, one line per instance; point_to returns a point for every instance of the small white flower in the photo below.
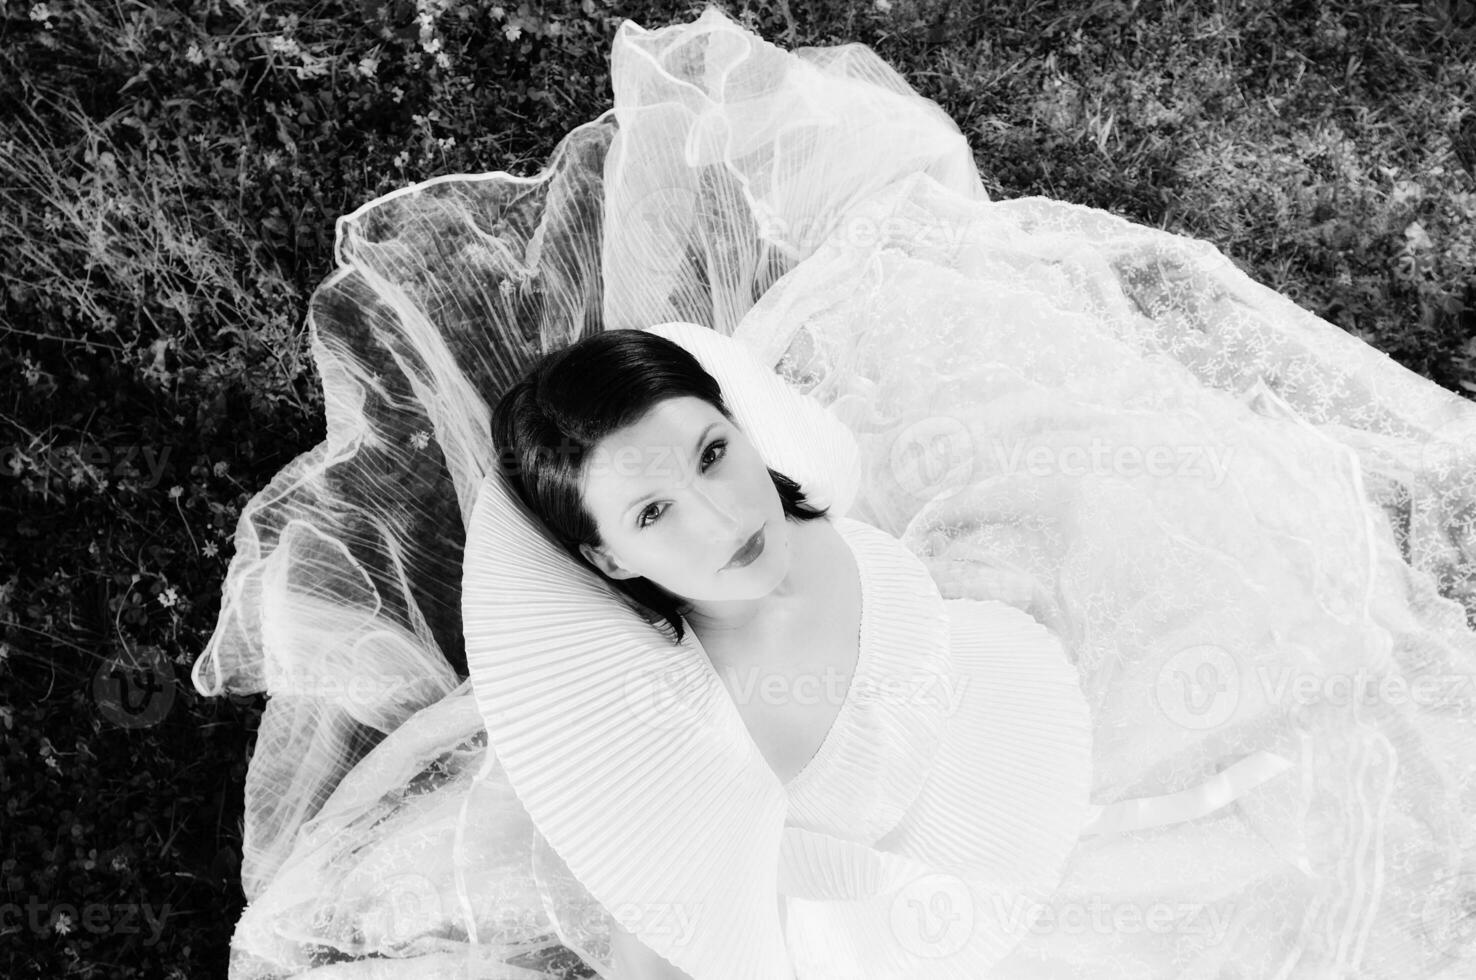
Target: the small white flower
pixel 41 13
pixel 175 492
pixel 443 60
pixel 63 924
pixel 367 67
pixel 420 439
pixel 402 158
pixel 1416 237
pixel 194 55
pixel 512 32
pixel 168 598
pixel 220 468
pixel 210 549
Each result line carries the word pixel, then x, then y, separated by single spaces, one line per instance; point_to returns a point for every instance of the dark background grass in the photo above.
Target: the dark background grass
pixel 171 172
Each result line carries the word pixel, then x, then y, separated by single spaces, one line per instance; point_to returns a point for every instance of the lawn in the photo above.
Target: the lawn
pixel 171 172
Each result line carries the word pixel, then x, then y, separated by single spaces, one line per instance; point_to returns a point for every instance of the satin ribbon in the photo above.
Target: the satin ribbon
pixel 1218 791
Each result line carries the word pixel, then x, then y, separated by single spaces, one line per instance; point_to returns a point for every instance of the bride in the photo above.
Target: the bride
pixel 744 549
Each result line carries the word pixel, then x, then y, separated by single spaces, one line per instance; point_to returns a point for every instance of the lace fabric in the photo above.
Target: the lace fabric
pixel 1250 530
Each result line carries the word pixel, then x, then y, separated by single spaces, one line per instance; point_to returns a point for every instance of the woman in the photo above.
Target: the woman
pixel 1223 548
pixel 624 447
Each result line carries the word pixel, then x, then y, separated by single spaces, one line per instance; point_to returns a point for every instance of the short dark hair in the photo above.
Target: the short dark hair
pixel 545 427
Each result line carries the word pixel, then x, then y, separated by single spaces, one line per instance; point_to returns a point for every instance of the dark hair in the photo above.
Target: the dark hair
pixel 545 426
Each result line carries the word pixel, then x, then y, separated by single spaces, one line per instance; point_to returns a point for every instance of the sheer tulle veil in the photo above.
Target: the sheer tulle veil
pixel 1105 424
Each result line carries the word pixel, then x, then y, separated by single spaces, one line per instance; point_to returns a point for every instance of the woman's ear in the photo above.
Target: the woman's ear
pixel 605 563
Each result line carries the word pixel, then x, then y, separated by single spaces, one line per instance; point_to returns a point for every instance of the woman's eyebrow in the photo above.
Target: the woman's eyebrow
pixel 690 456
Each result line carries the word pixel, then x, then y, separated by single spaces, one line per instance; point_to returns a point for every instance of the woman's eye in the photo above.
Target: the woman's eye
pixel 717 444
pixel 642 522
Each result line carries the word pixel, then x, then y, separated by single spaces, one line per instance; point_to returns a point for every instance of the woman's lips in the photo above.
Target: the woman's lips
pixel 750 550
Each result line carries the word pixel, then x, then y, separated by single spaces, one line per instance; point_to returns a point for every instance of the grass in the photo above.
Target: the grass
pixel 170 175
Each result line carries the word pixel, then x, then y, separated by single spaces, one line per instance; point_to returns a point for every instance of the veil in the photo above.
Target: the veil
pixel 813 207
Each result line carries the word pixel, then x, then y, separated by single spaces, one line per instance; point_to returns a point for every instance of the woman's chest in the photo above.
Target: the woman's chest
pixel 790 686
pixel 791 704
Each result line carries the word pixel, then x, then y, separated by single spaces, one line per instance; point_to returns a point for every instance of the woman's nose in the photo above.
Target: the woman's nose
pixel 723 512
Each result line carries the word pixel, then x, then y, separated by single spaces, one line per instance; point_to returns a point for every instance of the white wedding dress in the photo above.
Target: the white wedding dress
pixel 1211 560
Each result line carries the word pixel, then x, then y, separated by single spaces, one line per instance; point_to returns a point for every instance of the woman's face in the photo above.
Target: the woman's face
pixel 676 495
